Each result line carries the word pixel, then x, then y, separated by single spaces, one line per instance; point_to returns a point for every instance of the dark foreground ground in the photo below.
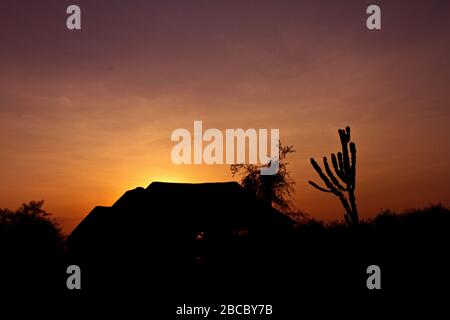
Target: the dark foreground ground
pixel 310 266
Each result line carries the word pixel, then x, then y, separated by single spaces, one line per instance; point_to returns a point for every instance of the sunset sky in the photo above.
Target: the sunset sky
pixel 86 115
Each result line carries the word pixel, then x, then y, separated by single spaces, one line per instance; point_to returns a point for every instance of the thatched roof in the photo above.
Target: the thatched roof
pixel 176 211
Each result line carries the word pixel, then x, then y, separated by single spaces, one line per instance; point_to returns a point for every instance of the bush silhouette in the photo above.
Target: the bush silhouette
pixel 31 248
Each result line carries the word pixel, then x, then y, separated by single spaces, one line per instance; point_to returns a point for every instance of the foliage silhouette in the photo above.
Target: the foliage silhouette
pixel 31 248
pixel 275 190
pixel 345 170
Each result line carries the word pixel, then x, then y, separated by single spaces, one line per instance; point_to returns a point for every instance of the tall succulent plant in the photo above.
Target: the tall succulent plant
pixel 342 182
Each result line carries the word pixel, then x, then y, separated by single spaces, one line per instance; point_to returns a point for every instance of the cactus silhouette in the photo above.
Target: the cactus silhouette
pixel 345 169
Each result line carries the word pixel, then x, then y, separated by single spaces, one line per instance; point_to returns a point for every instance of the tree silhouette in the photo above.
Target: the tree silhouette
pixel 30 224
pixel 29 211
pixel 31 250
pixel 345 169
pixel 275 190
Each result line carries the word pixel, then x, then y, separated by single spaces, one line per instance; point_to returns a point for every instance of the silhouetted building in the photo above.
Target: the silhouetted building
pixel 183 228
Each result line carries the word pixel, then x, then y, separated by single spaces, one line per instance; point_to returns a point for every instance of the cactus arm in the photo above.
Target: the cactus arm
pixel 331 175
pixel 344 143
pixel 353 165
pixel 323 176
pixel 315 185
pixel 341 163
pixel 336 167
